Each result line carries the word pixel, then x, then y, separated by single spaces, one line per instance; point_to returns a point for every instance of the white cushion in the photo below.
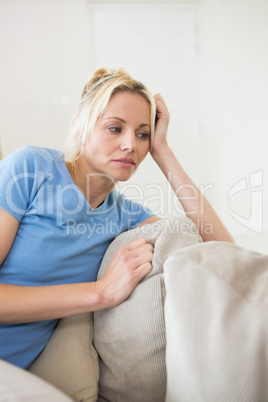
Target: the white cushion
pixel 18 385
pixel 216 313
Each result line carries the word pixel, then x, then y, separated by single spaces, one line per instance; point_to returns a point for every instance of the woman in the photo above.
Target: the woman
pixel 59 213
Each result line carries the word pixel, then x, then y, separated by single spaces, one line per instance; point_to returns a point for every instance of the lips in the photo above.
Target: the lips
pixel 125 160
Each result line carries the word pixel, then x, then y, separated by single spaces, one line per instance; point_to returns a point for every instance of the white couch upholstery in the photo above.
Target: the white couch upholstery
pixel 216 314
pixel 17 385
pixel 195 329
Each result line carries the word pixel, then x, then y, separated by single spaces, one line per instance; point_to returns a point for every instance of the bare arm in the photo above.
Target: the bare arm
pixel 192 200
pixel 26 303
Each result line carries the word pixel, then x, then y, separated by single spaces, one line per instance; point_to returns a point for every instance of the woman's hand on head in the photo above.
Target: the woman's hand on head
pixel 129 265
pixel 159 143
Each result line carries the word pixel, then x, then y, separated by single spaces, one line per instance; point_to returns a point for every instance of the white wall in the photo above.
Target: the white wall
pixel 45 59
pixel 234 106
pixel 44 63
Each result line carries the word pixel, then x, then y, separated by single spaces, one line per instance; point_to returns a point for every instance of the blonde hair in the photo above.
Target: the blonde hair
pixel 102 85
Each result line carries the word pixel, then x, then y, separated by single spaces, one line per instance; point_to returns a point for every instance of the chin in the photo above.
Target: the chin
pixel 123 177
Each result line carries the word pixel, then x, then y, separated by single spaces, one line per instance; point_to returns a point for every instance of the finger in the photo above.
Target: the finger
pixel 144 248
pixel 157 97
pixel 142 271
pixel 136 243
pixel 142 259
pixel 161 108
pixel 160 101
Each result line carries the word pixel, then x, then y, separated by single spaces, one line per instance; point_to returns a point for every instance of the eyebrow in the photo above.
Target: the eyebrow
pixel 124 121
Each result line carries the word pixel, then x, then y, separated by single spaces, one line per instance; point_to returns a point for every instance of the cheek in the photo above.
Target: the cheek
pixel 144 151
pixel 97 144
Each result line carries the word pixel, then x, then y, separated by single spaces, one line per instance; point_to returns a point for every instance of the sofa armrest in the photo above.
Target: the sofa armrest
pixel 20 385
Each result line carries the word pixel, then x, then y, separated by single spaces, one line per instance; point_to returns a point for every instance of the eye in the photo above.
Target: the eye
pixel 114 129
pixel 143 135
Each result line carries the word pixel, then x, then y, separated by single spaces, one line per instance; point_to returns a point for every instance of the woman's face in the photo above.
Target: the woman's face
pixel 121 138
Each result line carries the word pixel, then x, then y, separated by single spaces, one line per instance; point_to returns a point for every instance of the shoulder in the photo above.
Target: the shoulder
pixel 29 162
pixel 20 160
pixel 30 153
pixel 19 153
pixel 42 153
pixel 23 172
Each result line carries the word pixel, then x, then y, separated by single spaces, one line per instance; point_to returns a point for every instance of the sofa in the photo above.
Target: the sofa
pixel 194 329
pixel 18 385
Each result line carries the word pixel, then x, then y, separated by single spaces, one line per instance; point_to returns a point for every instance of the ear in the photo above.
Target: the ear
pixel 77 139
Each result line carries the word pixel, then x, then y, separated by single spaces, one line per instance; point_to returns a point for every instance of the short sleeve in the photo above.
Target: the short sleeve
pixel 17 176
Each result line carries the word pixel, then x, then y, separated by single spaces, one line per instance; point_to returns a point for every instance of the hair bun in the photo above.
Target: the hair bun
pixel 102 73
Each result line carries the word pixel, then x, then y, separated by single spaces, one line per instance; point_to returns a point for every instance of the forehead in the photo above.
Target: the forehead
pixel 128 103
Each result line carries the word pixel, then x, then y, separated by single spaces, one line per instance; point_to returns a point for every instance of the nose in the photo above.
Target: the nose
pixel 128 142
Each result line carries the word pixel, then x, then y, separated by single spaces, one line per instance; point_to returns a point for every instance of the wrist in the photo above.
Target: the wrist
pixel 162 153
pixel 91 299
pixel 97 297
pixel 101 298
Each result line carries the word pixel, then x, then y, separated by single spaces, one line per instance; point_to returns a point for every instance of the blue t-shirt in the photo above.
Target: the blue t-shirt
pixel 60 239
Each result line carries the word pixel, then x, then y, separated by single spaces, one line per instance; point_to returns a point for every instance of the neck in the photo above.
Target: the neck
pixel 94 187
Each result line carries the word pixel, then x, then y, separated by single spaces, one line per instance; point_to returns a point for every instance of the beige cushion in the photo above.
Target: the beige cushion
pixel 69 361
pixel 216 315
pixel 130 338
